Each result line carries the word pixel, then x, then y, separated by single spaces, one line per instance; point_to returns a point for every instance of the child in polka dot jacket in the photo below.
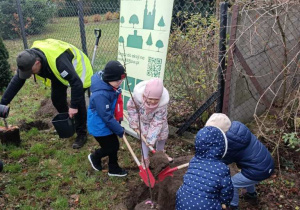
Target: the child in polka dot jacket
pixel 206 184
pixel 249 154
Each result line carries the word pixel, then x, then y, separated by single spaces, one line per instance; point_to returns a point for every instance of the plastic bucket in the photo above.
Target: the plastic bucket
pixel 63 125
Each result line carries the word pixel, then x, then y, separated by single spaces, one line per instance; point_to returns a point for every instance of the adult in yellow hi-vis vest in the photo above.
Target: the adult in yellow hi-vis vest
pixel 59 65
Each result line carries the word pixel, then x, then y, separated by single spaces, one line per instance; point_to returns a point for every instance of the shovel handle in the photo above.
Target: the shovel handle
pixel 145 141
pixel 131 151
pixel 183 166
pixel 142 136
pixel 97 33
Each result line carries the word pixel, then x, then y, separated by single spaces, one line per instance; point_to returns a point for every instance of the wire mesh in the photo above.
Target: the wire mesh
pixel 267 37
pixel 266 73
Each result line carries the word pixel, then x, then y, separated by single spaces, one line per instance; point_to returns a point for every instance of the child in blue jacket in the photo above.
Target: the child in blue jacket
pixel 105 90
pixel 206 184
pixel 249 154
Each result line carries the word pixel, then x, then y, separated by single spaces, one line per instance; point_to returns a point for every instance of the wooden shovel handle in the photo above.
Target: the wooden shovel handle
pixel 131 151
pixel 142 136
pixel 183 166
pixel 145 141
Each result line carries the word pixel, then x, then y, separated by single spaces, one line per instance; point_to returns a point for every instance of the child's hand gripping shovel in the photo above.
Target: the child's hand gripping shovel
pixel 142 136
pixel 145 174
pixel 169 171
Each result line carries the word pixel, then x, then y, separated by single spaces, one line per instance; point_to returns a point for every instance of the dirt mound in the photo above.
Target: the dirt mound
pixel 163 193
pixel 47 110
pixel 43 116
pixel 39 124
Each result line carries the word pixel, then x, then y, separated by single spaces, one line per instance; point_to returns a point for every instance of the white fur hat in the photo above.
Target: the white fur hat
pixel 219 120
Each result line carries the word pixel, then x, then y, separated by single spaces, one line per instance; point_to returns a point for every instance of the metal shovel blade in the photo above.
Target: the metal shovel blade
pixel 143 174
pixel 169 171
pixel 165 173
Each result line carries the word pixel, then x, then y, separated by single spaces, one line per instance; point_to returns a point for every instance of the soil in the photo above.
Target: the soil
pixel 162 191
pixel 10 135
pixel 280 191
pixel 43 116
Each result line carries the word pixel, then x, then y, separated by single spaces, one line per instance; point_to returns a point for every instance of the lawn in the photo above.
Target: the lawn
pixel 44 172
pixel 67 29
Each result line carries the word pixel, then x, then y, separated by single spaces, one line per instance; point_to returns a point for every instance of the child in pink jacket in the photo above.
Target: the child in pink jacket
pixel 152 99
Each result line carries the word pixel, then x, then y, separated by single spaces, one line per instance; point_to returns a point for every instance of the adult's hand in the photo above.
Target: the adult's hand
pixel 72 112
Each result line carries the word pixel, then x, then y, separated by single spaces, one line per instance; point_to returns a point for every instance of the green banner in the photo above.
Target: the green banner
pixel 143 40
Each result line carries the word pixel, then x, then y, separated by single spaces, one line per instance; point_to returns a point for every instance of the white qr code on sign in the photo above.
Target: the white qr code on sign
pixel 154 67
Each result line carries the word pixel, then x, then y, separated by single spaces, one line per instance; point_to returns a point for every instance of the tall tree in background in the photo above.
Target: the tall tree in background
pixel 5 72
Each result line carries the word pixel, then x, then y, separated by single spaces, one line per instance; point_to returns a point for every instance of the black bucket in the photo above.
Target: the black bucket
pixel 64 125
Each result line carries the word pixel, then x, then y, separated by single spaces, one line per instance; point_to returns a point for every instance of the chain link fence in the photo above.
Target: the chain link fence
pixel 263 60
pixel 262 38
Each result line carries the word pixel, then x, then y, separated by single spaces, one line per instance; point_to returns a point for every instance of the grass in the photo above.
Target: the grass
pixel 67 29
pixel 45 172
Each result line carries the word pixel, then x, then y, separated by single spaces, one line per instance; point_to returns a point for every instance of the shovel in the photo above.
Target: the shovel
pixel 142 136
pixel 97 33
pixel 145 174
pixel 169 171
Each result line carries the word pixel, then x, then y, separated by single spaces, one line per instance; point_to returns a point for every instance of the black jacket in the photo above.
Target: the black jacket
pixel 63 63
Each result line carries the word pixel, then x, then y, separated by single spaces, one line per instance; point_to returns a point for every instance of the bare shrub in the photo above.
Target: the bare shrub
pixel 191 74
pixel 116 15
pixel 108 16
pixel 86 19
pixel 97 18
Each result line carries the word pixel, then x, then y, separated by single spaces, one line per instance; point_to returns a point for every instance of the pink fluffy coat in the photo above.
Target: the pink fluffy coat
pixel 154 125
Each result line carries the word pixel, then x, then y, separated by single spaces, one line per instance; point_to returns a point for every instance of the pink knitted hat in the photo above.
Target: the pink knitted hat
pixel 154 89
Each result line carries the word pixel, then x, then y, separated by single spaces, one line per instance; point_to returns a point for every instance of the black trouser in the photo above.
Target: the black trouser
pixel 109 147
pixel 59 101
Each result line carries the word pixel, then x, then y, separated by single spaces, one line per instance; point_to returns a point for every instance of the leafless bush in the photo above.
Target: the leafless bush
pixel 97 18
pixel 191 74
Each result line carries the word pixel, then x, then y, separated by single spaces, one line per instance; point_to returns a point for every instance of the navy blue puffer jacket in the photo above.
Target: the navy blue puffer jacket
pixel 207 182
pixel 250 155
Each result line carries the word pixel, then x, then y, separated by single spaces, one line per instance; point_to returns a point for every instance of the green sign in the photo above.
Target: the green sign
pixel 143 40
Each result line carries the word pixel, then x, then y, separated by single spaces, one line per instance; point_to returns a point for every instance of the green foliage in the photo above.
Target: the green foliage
pixel 33 160
pixel 292 140
pixel 17 154
pixel 35 17
pixel 5 72
pixel 191 66
pixel 38 149
pixel 13 168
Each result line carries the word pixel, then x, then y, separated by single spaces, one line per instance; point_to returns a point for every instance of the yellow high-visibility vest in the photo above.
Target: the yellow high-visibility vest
pixel 53 48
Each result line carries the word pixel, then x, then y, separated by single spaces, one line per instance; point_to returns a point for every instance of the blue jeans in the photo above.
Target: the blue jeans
pixel 240 181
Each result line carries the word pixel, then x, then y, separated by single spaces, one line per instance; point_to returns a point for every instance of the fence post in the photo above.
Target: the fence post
pixel 22 28
pixel 222 52
pixel 81 25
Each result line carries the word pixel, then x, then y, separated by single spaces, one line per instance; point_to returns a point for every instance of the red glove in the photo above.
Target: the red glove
pixel 119 109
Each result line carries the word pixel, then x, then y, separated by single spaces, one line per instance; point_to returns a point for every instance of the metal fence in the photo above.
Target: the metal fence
pixel 262 45
pixel 263 60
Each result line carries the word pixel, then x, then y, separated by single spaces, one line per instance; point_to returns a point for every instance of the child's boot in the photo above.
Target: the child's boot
pixel 116 170
pixel 96 164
